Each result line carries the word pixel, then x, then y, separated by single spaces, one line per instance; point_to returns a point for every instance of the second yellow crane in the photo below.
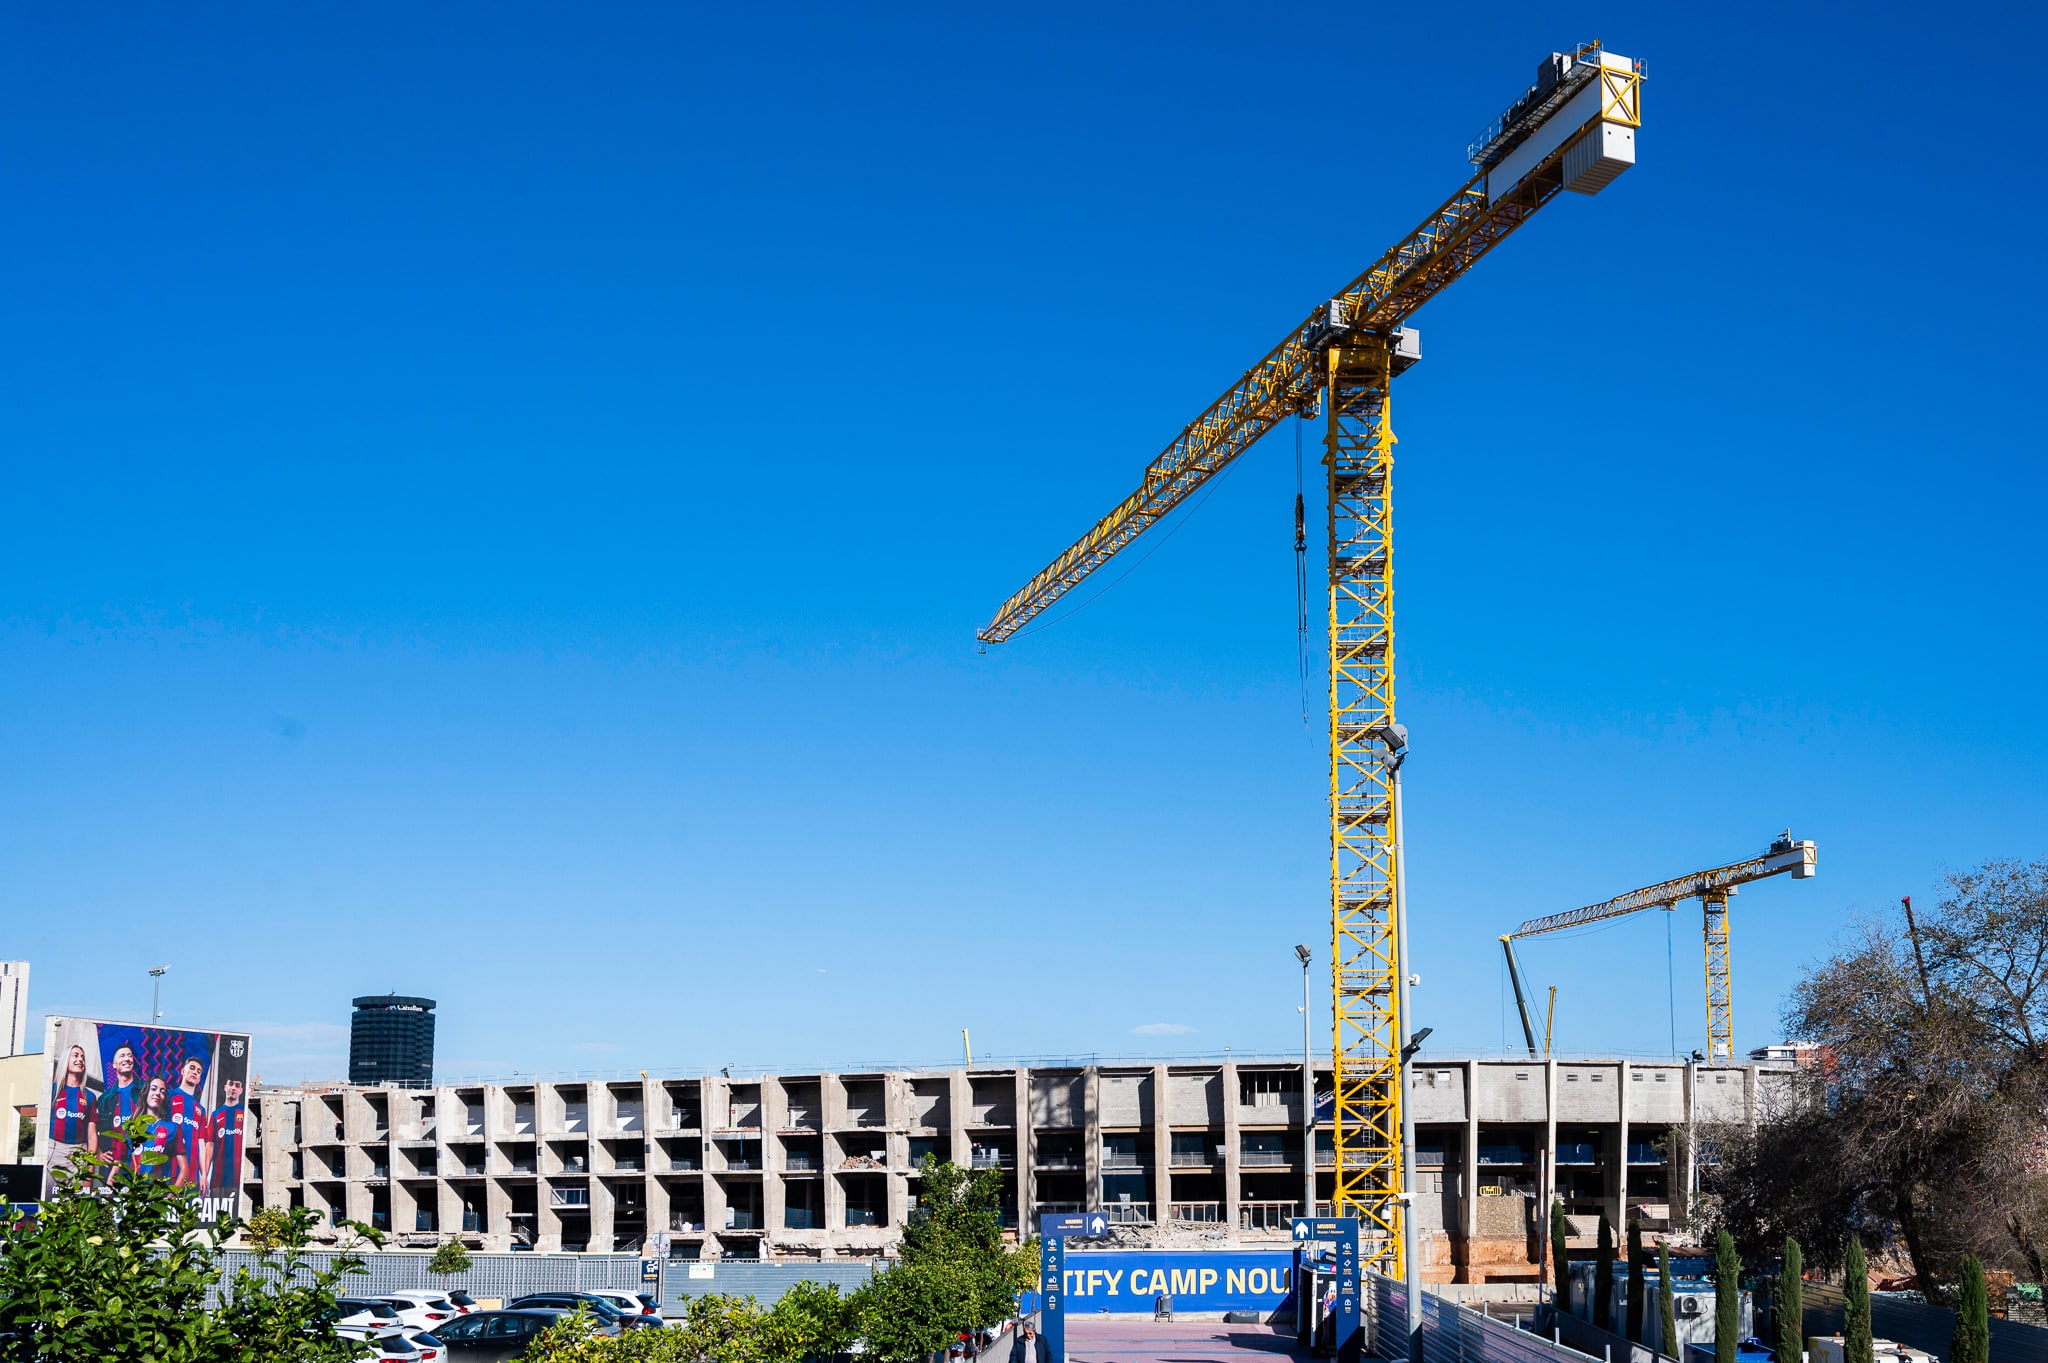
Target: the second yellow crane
pixel 1574 129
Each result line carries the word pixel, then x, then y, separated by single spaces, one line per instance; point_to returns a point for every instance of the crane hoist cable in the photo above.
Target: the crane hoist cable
pixel 1573 129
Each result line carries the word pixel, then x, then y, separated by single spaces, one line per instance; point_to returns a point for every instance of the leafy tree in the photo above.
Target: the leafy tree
pixel 1636 1291
pixel 1727 1298
pixel 810 1320
pixel 267 1227
pixel 1791 1310
pixel 1971 1342
pixel 955 1273
pixel 117 1267
pixel 284 1309
pixel 1920 1119
pixel 1667 1305
pixel 720 1329
pixel 117 1277
pixel 1857 1346
pixel 1560 1231
pixel 1603 1277
pixel 448 1260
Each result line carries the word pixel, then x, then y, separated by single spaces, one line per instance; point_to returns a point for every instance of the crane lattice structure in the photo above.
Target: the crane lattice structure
pixel 1712 889
pixel 1574 129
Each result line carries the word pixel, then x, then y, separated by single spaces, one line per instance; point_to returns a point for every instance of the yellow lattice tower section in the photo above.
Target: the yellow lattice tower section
pixel 1359 461
pixel 1720 995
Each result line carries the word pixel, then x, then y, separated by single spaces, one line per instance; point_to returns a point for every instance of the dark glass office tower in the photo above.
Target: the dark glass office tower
pixel 391 1041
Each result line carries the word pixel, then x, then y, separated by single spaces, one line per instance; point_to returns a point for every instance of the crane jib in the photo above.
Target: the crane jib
pixel 1579 155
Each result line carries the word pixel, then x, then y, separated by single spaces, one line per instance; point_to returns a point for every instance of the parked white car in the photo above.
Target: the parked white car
pixel 421 1310
pixel 366 1318
pixel 627 1303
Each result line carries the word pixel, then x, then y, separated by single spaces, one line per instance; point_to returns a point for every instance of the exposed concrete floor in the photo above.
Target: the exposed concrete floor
pixel 1118 1341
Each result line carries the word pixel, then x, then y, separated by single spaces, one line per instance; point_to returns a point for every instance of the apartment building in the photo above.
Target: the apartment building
pixel 796 1167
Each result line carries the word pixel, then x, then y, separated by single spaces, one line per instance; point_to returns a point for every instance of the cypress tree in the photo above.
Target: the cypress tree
pixel 1727 1299
pixel 1791 1307
pixel 1856 1344
pixel 1971 1342
pixel 1635 1280
pixel 1559 1230
pixel 1668 1308
pixel 1603 1278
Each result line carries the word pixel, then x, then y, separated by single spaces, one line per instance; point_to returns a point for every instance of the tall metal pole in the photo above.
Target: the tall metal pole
pixel 156 993
pixel 1411 1261
pixel 1308 1090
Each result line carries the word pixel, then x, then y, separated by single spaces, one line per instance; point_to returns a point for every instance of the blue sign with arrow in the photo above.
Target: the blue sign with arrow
pixel 1084 1224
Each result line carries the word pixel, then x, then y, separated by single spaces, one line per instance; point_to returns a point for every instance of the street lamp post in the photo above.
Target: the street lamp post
pixel 1395 739
pixel 156 993
pixel 1308 1090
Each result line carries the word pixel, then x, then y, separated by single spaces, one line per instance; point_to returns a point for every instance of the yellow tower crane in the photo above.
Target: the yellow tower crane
pixel 1575 129
pixel 1712 889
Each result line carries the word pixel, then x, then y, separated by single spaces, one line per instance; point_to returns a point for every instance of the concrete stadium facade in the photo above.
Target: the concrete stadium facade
pixel 800 1167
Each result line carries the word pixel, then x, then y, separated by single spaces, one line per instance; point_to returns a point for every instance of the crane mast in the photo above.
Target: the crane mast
pixel 1574 129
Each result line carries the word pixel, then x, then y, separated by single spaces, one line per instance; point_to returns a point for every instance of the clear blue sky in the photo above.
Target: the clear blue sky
pixel 498 501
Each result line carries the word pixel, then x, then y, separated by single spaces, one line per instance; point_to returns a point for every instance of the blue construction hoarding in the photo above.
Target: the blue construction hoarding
pixel 1118 1280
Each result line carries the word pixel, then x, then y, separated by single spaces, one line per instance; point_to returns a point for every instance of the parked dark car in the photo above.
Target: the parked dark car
pixel 595 1305
pixel 493 1336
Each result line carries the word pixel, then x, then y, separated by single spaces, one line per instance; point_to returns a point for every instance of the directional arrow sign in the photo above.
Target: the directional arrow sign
pixel 1098 1224
pixel 1324 1228
pixel 1076 1224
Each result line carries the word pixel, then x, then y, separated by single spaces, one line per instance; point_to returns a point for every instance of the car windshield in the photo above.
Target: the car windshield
pixel 425 1341
pixel 392 1344
pixel 438 1305
pixel 462 1299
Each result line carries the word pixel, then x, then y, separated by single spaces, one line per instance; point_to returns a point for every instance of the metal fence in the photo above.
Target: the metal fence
pixel 503 1276
pixel 1450 1333
pixel 1919 1325
pixel 765 1283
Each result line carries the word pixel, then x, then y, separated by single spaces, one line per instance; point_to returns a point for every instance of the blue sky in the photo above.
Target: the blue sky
pixel 498 501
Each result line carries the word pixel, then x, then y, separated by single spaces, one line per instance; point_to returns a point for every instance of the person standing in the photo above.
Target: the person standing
pixel 152 1157
pixel 230 1124
pixel 119 1102
pixel 71 1103
pixel 191 1128
pixel 1030 1347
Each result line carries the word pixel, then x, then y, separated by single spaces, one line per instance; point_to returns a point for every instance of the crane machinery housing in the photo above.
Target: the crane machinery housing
pixel 1712 889
pixel 1574 128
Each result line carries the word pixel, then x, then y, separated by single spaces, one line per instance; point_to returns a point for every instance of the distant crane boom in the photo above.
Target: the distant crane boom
pixel 1712 889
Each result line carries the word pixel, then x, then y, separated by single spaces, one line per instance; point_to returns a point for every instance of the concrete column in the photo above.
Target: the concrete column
pixel 774 1197
pixel 448 1209
pixel 1549 1159
pixel 602 1208
pixel 1091 1139
pixel 831 1102
pixel 959 1107
pixel 1027 1158
pixel 1233 1174
pixel 714 1206
pixel 547 1218
pixel 834 1191
pixel 1469 1166
pixel 898 1202
pixel 657 1210
pixel 1623 1073
pixel 1162 1151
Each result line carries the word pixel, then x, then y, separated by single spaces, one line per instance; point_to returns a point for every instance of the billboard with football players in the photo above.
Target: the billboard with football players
pixel 193 1086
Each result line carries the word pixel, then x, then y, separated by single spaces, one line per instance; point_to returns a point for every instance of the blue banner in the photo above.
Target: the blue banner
pixel 1198 1280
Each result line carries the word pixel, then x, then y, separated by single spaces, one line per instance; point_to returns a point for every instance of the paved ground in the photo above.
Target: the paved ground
pixel 1104 1341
